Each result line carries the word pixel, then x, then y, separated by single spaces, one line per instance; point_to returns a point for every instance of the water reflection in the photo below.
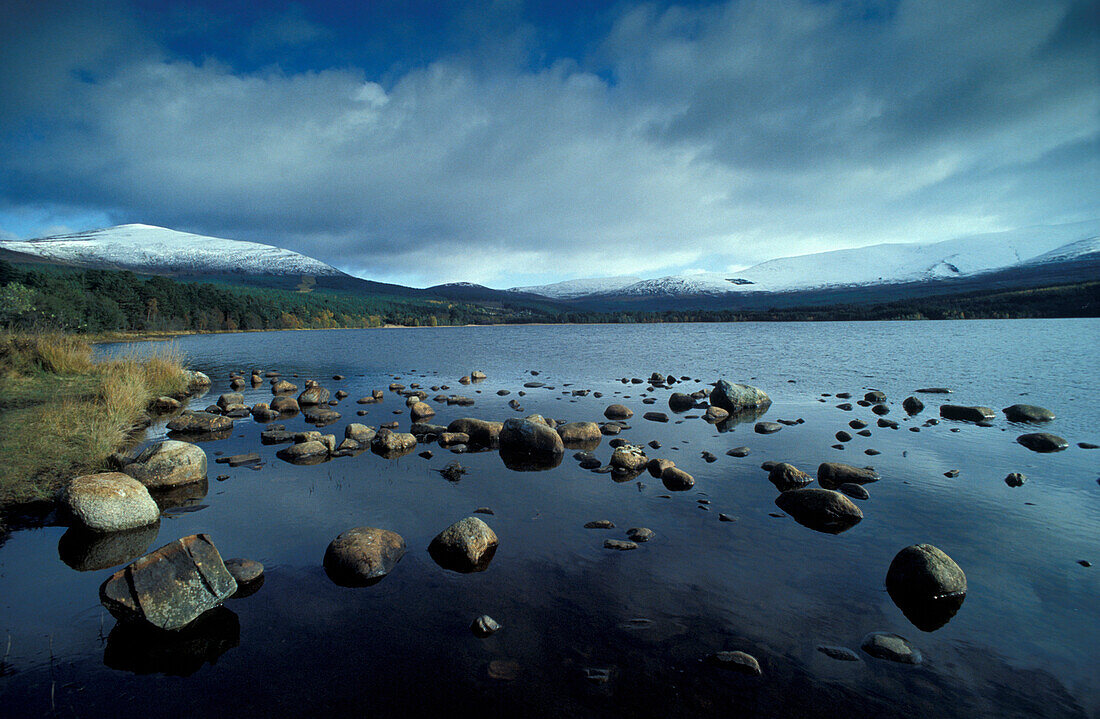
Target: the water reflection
pixel 183 497
pixel 523 462
pixel 89 552
pixel 141 648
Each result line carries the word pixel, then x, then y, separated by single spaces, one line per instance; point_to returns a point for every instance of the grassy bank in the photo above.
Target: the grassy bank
pixel 62 413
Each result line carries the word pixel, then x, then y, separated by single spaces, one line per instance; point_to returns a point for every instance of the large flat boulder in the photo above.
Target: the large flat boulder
pixel 170 587
pixel 199 423
pixel 168 464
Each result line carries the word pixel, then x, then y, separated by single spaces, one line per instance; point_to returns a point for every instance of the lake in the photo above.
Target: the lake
pixel 589 631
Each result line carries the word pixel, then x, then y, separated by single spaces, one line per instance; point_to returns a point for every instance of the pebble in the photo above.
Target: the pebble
pixel 600 524
pixel 736 661
pixel 726 518
pixel 738 452
pixel 485 626
pixel 619 544
pixel 640 534
pixel 843 654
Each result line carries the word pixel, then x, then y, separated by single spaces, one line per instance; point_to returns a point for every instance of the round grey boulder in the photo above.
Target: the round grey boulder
pixel 109 502
pixel 168 464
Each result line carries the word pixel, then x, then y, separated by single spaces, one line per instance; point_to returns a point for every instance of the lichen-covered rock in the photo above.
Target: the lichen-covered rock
pixel 466 546
pixel 168 464
pixel 735 398
pixel 109 502
pixel 172 586
pixel 629 457
pixel 361 433
pixel 199 423
pixel 786 477
pixel 314 394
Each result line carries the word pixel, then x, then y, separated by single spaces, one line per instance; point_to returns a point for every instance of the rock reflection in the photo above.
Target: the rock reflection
pixel 182 498
pixel 140 648
pixel 87 551
pixel 745 416
pixel 523 462
pixel 929 615
pixel 197 437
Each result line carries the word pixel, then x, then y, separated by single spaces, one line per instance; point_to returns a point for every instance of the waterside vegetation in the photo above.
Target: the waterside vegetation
pixel 63 413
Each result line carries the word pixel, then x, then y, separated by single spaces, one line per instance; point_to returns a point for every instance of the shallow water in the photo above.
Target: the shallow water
pixel 1025 642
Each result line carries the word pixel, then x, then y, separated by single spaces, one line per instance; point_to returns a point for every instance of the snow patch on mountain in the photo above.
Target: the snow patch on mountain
pixel 147 248
pixel 872 265
pixel 570 289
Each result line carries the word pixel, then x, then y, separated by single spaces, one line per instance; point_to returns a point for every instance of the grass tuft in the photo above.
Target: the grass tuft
pixel 62 413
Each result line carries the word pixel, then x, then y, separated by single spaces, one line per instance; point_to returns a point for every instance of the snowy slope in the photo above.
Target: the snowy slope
pixel 146 248
pixel 579 288
pixel 872 265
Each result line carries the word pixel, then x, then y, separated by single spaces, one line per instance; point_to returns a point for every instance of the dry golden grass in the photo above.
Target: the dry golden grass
pixel 62 413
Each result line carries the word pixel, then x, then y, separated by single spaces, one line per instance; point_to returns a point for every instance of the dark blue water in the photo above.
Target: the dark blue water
pixel 1025 642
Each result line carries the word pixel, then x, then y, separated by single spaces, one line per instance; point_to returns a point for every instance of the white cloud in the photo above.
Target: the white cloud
pixel 728 135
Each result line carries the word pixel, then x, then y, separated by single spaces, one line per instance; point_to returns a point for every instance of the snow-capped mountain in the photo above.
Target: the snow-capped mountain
pixel 570 289
pixel 882 264
pixel 146 248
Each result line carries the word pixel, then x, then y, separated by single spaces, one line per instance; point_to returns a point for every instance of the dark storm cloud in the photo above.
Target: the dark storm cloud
pixel 674 137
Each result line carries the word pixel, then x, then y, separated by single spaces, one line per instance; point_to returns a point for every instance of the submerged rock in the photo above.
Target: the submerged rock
pixel 927 585
pixel 618 411
pixel 172 586
pixel 891 647
pixel 739 662
pixel 786 477
pixel 1043 442
pixel 1027 413
pixel 362 556
pixel 966 414
pixel 485 626
pixel 912 405
pixel 767 427
pixel 821 509
pixel 466 546
pixel 831 475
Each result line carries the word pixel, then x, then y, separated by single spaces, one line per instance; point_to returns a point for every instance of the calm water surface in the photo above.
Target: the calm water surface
pixel 1026 642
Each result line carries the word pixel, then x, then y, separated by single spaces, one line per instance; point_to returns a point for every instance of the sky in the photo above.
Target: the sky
pixel 515 143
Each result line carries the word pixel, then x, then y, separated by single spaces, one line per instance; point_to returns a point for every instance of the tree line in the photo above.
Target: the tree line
pixel 84 300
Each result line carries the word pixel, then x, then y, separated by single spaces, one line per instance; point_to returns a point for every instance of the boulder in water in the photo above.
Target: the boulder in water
pixel 170 587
